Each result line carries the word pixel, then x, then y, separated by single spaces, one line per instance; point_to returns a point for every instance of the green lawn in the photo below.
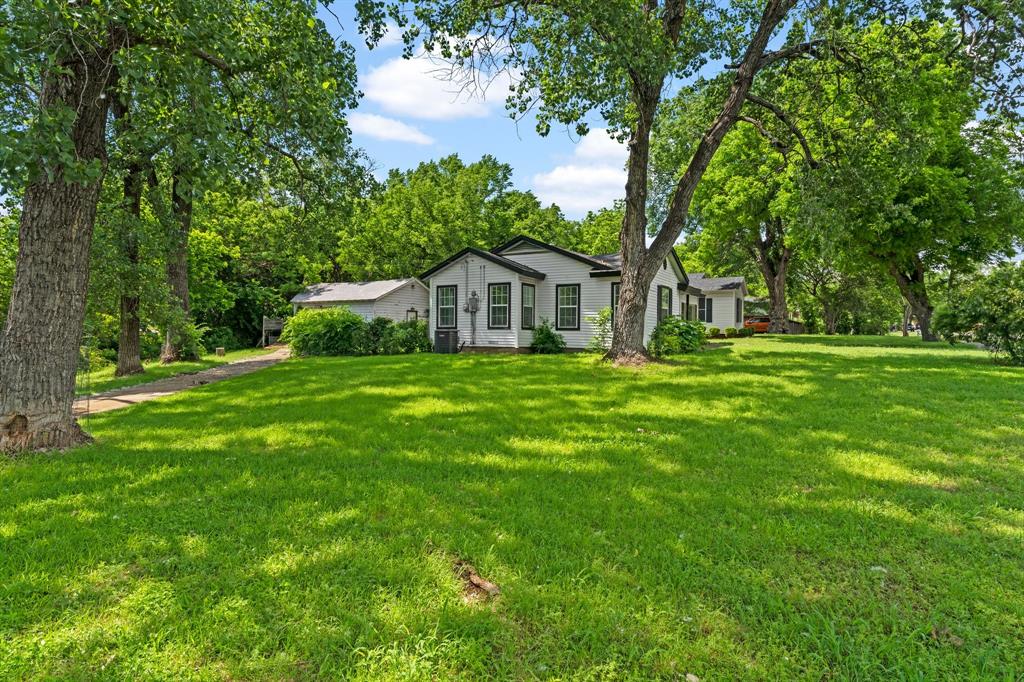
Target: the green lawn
pixel 101 380
pixel 773 508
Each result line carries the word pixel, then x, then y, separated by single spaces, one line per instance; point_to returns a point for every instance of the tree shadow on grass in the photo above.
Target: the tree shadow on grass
pixel 740 515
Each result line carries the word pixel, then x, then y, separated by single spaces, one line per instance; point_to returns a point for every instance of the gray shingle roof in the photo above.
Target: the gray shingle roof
pixel 339 292
pixel 697 279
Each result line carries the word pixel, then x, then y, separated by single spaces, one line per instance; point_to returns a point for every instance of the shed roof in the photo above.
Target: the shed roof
pixel 343 292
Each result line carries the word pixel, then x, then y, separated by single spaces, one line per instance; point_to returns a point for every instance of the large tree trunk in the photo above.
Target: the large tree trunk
pixel 628 329
pixel 640 262
pixel 129 357
pixel 177 274
pixel 773 256
pixel 39 347
pixel 830 315
pixel 915 293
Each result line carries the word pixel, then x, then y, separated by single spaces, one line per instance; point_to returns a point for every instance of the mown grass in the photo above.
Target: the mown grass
pixel 775 508
pixel 100 380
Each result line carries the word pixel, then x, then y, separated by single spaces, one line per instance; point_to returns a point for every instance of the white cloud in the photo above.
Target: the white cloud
pixel 595 176
pixel 422 88
pixel 383 128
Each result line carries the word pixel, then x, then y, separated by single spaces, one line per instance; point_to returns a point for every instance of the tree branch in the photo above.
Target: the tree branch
pixel 810 48
pixel 784 117
pixel 765 133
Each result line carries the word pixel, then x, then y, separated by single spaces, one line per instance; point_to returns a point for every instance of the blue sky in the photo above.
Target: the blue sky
pixel 408 115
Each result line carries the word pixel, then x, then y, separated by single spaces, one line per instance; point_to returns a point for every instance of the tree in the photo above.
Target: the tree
pixel 991 311
pixel 63 66
pixel 743 212
pixel 919 187
pixel 421 216
pixel 617 57
pixel 598 232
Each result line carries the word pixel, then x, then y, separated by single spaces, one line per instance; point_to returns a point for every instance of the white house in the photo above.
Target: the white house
pixel 720 302
pixel 395 299
pixel 494 299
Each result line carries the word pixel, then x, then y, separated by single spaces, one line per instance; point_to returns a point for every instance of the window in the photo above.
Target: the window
pixel 411 315
pixel 704 309
pixel 447 316
pixel 498 303
pixel 739 312
pixel 684 307
pixel 529 306
pixel 567 315
pixel 615 298
pixel 664 302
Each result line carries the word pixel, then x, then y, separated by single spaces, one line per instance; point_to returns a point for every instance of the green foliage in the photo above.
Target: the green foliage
pixel 546 340
pixel 602 325
pixel 423 215
pixel 991 312
pixel 325 331
pixel 713 332
pixel 674 335
pixel 339 331
pixel 598 232
pixel 8 254
pixel 409 336
pixel 745 332
pixel 730 332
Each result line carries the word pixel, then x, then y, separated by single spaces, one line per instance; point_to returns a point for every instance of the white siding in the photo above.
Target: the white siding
pixel 480 272
pixel 595 292
pixel 666 277
pixel 723 309
pixel 396 304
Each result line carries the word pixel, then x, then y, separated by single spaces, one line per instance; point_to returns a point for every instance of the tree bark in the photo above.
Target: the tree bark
pixel 915 293
pixel 640 262
pixel 773 256
pixel 129 356
pixel 177 273
pixel 634 285
pixel 39 347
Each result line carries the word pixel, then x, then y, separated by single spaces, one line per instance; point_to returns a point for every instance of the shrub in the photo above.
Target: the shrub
pixel 731 333
pixel 406 337
pixel 714 331
pixel 221 337
pixel 991 313
pixel 745 331
pixel 375 335
pixel 674 335
pixel 339 331
pixel 325 331
pixel 602 323
pixel 546 339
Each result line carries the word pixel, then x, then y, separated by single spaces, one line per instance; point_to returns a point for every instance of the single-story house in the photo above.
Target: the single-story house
pixel 395 299
pixel 494 299
pixel 720 303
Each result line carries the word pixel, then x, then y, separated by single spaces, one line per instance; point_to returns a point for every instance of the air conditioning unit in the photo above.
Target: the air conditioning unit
pixel 446 341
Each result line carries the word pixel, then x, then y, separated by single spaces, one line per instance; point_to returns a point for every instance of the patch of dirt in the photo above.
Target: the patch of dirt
pixel 943 635
pixel 475 588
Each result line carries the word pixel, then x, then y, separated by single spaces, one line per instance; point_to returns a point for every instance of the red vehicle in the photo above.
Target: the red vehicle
pixel 759 324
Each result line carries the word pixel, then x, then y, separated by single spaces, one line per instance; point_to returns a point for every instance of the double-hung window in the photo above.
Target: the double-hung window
pixel 499 302
pixel 447 317
pixel 529 302
pixel 615 298
pixel 567 303
pixel 664 302
pixel 704 309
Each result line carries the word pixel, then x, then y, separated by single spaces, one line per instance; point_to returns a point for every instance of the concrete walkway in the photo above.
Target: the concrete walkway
pixel 140 393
